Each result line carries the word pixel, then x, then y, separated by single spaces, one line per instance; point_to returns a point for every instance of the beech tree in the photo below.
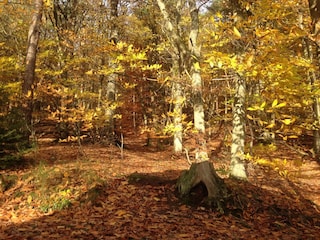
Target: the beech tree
pixel 237 168
pixel 112 78
pixel 179 54
pixel 314 7
pixel 186 62
pixel 33 40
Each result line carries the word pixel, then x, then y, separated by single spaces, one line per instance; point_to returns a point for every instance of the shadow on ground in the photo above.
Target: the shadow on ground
pixel 145 206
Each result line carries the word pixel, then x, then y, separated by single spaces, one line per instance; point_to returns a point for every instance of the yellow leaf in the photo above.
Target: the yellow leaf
pixel 262 105
pixel 29 93
pixel 234 62
pixel 270 125
pixel 219 64
pixel 236 32
pixel 219 15
pixel 29 199
pixel 287 121
pixel 130 48
pixel 280 105
pixel 121 45
pixel 254 108
pixel 90 72
pixel 196 66
pixel 293 136
pixel 275 102
pixel 249 60
pixel 249 117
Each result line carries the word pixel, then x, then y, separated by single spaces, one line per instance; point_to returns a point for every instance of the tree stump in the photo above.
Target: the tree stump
pixel 203 172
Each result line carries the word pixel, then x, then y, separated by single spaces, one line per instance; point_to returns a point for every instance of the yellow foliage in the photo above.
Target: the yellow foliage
pixel 196 66
pixel 280 105
pixel 152 67
pixel 250 117
pixel 236 32
pixel 249 60
pixel 274 103
pixel 271 125
pixel 288 121
pixel 48 3
pixel 279 165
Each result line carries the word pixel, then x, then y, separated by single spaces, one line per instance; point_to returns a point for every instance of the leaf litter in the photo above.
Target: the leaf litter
pixel 101 196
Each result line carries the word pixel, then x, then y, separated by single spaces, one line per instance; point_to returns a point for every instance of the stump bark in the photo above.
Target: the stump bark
pixel 203 172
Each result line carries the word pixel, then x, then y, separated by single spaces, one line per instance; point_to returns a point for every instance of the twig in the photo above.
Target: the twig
pixel 187 155
pixel 303 153
pixel 121 145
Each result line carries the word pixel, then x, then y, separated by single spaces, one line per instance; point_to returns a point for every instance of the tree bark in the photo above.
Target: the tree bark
pixel 314 7
pixel 112 78
pixel 177 117
pixel 178 67
pixel 237 168
pixel 28 83
pixel 203 172
pixel 198 109
pixel 186 59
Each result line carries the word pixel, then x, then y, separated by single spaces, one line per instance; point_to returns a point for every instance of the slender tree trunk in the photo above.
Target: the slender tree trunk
pixel 112 78
pixel 179 61
pixel 237 168
pixel 198 109
pixel 316 113
pixel 177 117
pixel 28 83
pixel 314 7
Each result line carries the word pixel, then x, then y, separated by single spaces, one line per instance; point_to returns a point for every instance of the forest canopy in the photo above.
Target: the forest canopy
pixel 85 45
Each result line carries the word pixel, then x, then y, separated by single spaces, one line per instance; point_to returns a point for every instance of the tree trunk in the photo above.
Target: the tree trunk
pixel 314 7
pixel 112 78
pixel 178 67
pixel 316 109
pixel 177 117
pixel 203 172
pixel 198 109
pixel 237 168
pixel 316 132
pixel 28 83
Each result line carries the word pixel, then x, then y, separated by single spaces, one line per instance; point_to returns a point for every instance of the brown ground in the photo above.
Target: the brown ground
pixel 133 197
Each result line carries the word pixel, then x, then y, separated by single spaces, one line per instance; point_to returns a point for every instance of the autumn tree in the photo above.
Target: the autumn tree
pixel 112 78
pixel 178 64
pixel 237 166
pixel 32 45
pixel 314 7
pixel 14 24
pixel 250 43
pixel 185 63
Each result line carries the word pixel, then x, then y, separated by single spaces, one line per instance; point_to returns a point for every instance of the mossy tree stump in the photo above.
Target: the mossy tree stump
pixel 203 172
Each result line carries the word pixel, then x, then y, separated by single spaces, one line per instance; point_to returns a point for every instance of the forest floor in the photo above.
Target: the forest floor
pixel 96 192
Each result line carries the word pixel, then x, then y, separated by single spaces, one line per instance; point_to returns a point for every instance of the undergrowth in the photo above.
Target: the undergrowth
pixel 51 188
